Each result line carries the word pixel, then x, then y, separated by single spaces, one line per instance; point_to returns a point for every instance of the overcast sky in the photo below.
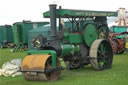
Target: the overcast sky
pixel 17 10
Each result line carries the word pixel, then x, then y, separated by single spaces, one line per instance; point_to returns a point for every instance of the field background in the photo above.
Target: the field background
pixel 117 75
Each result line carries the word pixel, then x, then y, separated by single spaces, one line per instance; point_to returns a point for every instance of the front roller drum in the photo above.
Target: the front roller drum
pixel 37 67
pixel 101 54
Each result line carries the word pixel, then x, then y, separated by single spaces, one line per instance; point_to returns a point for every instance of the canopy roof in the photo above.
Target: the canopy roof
pixel 80 13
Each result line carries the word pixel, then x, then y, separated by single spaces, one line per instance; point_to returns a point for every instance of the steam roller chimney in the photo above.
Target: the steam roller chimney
pixel 53 20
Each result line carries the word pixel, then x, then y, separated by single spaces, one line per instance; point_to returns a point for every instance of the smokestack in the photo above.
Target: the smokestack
pixel 53 20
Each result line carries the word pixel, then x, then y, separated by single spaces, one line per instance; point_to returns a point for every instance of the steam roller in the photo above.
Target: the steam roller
pixel 81 41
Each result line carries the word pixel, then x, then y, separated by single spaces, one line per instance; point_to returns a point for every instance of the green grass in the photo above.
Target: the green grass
pixel 117 75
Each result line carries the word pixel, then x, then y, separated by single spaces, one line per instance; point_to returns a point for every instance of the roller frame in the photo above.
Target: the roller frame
pixel 40 71
pixel 51 52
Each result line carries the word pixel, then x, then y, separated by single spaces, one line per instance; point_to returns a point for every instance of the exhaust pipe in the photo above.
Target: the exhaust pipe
pixel 53 20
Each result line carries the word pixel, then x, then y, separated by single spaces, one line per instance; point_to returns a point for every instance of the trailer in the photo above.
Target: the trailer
pixel 6 36
pixel 20 32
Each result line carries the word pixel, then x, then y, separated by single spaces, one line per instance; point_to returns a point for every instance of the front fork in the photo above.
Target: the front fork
pixel 51 52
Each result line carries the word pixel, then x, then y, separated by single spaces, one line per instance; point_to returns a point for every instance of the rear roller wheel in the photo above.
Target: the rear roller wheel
pixel 101 54
pixel 43 63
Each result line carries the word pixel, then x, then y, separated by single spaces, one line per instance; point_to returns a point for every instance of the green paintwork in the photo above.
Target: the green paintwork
pixel 119 29
pixel 75 38
pixel 79 13
pixel 66 34
pixel 51 52
pixel 90 34
pixel 6 34
pixel 121 36
pixel 20 30
pixel 69 24
pixel 68 49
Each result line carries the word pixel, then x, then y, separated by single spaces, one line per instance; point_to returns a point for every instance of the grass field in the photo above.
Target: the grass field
pixel 117 75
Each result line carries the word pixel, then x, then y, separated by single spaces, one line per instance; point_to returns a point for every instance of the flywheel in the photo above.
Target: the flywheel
pixel 89 34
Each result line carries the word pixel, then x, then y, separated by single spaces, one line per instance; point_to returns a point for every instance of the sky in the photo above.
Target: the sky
pixel 12 11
